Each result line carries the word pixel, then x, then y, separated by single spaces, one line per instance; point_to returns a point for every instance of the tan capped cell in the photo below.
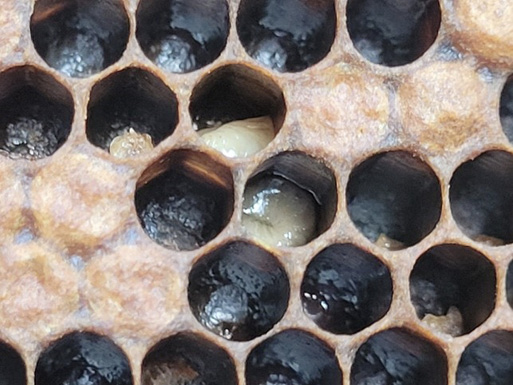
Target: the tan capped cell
pixel 13 198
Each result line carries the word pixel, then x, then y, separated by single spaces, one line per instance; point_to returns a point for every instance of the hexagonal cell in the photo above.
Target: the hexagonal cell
pixel 187 359
pixel 79 37
pixel 453 289
pixel 287 36
pixel 36 113
pixel 226 103
pixel 480 197
pixel 130 112
pixel 293 357
pixel 346 289
pixel 238 291
pixel 290 200
pixel 398 356
pixel 12 368
pixel 83 358
pixel 184 200
pixel 394 199
pixel 506 109
pixel 488 360
pixel 182 36
pixel 378 36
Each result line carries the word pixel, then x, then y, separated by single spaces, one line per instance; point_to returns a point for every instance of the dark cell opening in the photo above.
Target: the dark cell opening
pixel 290 200
pixel 79 37
pixel 287 35
pixel 488 360
pixel 399 357
pixel 509 284
pixel 36 113
pixel 83 358
pixel 293 357
pixel 506 109
pixel 186 359
pixel 480 195
pixel 394 196
pixel 239 291
pixel 184 200
pixel 236 92
pixel 132 99
pixel 346 289
pixel 12 368
pixel 393 32
pixel 453 276
pixel 182 35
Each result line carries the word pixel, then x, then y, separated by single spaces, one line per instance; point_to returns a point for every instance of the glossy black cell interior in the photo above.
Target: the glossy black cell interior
pixel 394 194
pixel 293 357
pixel 187 359
pixel 393 32
pixel 509 284
pixel 235 92
pixel 399 357
pixel 346 289
pixel 132 98
pixel 454 275
pixel 36 113
pixel 83 358
pixel 480 195
pixel 79 37
pixel 182 35
pixel 12 368
pixel 239 291
pixel 184 200
pixel 506 109
pixel 287 35
pixel 488 360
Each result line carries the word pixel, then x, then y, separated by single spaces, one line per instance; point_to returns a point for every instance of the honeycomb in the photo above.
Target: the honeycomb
pixel 126 257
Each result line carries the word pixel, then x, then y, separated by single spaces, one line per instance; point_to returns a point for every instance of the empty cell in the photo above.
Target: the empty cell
pixel 129 112
pixel 293 357
pixel 509 284
pixel 238 291
pixel 36 113
pixel 287 35
pixel 83 358
pixel 237 110
pixel 506 109
pixel 394 199
pixel 182 35
pixel 453 289
pixel 346 289
pixel 378 36
pixel 290 200
pixel 187 359
pixel 12 368
pixel 480 195
pixel 399 357
pixel 79 37
pixel 488 360
pixel 184 200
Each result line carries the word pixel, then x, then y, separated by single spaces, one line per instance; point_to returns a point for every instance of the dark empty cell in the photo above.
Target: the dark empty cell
pixel 182 35
pixel 79 37
pixel 453 288
pixel 187 205
pixel 488 360
pixel 506 109
pixel 287 35
pixel 293 357
pixel 346 289
pixel 509 284
pixel 236 92
pixel 239 291
pixel 480 197
pixel 399 357
pixel 132 99
pixel 12 367
pixel 186 359
pixel 394 196
pixel 36 113
pixel 393 32
pixel 83 358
